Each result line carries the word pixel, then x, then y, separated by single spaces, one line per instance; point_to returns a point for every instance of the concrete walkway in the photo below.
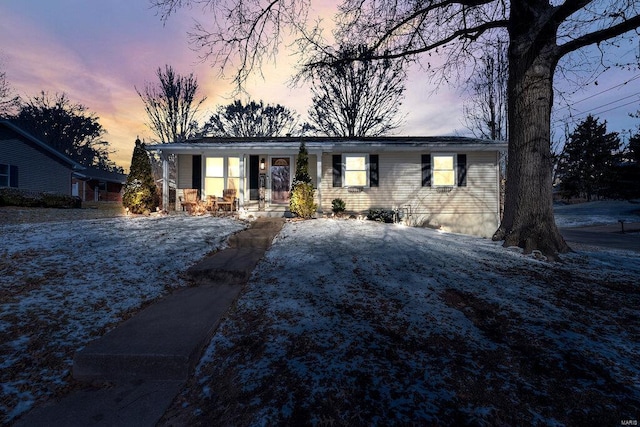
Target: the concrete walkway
pixel 135 371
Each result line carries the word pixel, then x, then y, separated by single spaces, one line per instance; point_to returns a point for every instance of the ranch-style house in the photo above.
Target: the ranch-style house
pixel 449 183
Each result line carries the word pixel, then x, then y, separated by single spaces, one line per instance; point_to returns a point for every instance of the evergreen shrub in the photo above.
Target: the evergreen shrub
pixel 301 197
pixel 381 215
pixel 140 193
pixel 338 206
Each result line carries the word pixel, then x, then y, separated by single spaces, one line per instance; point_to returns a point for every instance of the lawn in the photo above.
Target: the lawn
pixel 360 323
pixel 62 284
pixel 343 322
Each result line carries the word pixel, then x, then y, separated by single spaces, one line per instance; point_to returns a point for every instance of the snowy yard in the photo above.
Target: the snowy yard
pixel 344 322
pixel 62 284
pixel 359 323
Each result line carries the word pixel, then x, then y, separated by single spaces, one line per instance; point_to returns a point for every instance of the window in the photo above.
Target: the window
pixel 355 170
pixel 221 173
pixel 233 173
pixel 214 176
pixel 8 176
pixel 4 175
pixel 443 170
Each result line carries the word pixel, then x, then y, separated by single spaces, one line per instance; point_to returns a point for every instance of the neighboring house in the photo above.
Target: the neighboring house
pixel 26 163
pixel 451 183
pixel 95 185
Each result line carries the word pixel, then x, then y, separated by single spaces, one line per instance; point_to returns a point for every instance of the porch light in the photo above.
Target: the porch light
pixel 262 164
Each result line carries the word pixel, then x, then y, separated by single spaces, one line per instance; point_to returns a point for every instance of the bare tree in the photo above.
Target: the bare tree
pixel 251 119
pixel 9 102
pixel 485 112
pixel 171 105
pixel 540 33
pixel 357 98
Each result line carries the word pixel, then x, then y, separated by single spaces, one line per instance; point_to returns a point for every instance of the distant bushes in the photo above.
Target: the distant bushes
pixel 15 197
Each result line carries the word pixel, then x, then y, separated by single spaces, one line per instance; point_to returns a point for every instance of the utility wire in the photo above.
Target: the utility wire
pixel 600 93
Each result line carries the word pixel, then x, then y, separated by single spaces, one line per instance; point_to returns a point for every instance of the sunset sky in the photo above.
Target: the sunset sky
pixel 97 52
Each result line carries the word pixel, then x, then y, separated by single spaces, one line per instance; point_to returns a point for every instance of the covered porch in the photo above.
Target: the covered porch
pixel 260 178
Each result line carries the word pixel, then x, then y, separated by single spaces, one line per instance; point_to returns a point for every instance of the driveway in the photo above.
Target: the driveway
pixel 608 236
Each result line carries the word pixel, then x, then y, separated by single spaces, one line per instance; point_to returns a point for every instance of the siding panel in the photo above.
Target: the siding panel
pixel 37 171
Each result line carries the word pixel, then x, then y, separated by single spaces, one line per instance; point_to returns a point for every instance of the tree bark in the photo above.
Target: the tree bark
pixel 528 220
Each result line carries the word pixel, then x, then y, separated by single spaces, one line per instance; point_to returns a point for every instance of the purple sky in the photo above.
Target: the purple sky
pixel 97 52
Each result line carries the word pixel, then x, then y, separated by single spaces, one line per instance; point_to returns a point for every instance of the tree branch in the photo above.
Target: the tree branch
pixel 598 36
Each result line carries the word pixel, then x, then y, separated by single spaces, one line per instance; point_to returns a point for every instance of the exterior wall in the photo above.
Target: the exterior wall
pixel 91 190
pixel 185 171
pixel 36 171
pixel 473 209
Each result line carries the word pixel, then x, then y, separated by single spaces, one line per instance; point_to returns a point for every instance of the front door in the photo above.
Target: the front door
pixel 280 179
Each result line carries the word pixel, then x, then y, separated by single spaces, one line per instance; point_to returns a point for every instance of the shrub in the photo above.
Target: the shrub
pixel 381 215
pixel 301 202
pixel 140 194
pixel 301 197
pixel 15 197
pixel 338 206
pixel 61 201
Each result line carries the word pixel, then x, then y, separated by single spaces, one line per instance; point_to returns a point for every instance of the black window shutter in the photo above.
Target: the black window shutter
pixel 426 170
pixel 254 181
pixel 462 170
pixel 337 170
pixel 196 174
pixel 373 170
pixel 13 176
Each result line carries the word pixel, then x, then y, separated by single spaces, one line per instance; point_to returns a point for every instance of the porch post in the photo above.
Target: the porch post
pixel 242 176
pixel 319 179
pixel 165 182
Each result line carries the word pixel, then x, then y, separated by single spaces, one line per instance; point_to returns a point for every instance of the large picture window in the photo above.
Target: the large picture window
pixel 221 173
pixel 355 170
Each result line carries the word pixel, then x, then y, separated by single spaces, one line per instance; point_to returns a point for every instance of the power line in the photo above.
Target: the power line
pixel 607 104
pixel 600 93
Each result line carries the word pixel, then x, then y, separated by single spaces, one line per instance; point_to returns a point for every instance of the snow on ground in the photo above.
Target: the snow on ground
pixel 62 284
pixel 343 322
pixel 596 213
pixel 358 323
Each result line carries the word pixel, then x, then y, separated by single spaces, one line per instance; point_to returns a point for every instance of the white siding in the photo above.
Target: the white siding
pixel 472 209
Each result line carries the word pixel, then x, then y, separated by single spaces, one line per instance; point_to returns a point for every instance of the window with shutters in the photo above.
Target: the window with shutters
pixel 444 170
pixel 356 170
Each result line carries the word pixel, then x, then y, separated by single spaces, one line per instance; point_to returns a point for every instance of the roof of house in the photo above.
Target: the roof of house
pixel 328 144
pixel 51 152
pixel 101 175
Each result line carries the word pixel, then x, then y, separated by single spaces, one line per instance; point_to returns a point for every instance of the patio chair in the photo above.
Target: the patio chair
pixel 228 199
pixel 189 199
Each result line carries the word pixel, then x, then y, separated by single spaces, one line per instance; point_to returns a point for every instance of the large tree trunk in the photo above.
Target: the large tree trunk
pixel 528 220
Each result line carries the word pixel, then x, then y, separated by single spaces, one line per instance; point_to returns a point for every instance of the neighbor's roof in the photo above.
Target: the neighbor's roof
pixel 326 144
pixel 101 175
pixel 43 146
